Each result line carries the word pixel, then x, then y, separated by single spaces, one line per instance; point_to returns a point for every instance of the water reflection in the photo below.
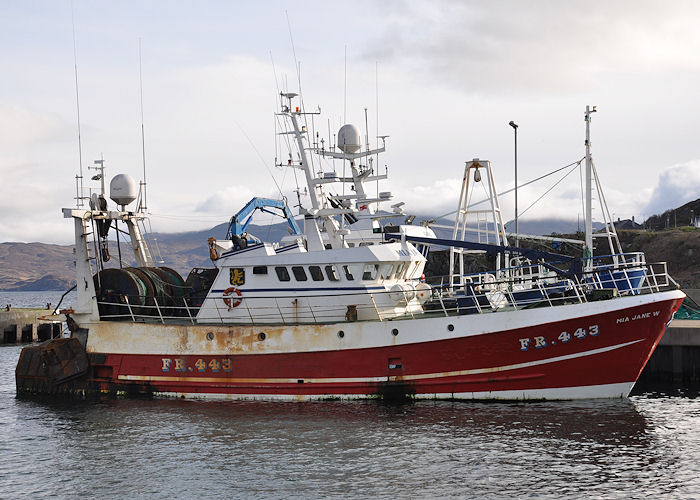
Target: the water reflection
pixel 614 422
pixel 162 448
pixel 331 446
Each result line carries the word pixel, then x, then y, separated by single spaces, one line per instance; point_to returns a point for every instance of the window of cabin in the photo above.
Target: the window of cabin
pixel 332 273
pixel 370 272
pixel 350 271
pixel 412 269
pixel 259 269
pixel 282 273
pixel 299 273
pixel 350 245
pixel 315 272
pixel 386 270
pixel 399 271
pixel 366 244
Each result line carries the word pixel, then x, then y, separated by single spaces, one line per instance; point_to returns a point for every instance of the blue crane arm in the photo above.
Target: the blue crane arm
pixel 237 225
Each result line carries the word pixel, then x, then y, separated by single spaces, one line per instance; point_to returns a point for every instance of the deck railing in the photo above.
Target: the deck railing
pixel 478 293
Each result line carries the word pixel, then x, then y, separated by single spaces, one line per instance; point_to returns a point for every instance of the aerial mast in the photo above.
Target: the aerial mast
pixel 588 249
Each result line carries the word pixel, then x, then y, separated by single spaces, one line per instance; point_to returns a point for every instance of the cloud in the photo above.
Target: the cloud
pixel 227 200
pixel 21 127
pixel 676 186
pixel 32 213
pixel 434 199
pixel 540 47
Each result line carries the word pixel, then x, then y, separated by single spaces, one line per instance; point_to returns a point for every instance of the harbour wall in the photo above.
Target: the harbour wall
pixel 676 360
pixel 19 325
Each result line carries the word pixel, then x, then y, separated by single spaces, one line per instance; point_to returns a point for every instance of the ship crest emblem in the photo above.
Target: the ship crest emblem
pixel 237 276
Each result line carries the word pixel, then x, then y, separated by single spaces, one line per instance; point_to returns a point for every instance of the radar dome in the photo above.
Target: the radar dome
pixel 123 189
pixel 349 139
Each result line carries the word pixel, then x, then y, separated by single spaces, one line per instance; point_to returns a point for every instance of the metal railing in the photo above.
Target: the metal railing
pixel 478 293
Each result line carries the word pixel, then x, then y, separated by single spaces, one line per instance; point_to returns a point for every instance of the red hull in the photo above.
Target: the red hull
pixel 609 348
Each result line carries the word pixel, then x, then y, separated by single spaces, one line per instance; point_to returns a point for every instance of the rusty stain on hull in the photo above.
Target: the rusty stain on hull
pixel 204 339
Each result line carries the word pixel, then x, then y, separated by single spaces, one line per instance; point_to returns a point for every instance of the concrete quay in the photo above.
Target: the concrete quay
pixel 20 325
pixel 676 360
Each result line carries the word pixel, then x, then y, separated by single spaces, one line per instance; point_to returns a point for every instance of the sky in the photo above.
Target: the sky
pixel 441 78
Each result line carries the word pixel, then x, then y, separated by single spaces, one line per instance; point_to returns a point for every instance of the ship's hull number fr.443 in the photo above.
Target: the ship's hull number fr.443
pixel 564 338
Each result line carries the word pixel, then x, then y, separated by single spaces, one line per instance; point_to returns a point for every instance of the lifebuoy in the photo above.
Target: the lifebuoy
pixel 231 303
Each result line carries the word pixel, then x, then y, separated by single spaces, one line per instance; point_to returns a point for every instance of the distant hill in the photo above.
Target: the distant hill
pixel 36 266
pixel 680 249
pixel 41 266
pixel 676 217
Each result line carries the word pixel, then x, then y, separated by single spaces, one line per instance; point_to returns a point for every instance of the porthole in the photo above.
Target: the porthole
pixel 261 336
pixel 341 334
pixel 210 335
pixel 451 328
pixel 395 332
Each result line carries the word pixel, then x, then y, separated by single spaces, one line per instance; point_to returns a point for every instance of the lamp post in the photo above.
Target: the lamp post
pixel 515 135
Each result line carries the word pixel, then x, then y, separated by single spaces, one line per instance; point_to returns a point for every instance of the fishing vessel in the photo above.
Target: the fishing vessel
pixel 340 308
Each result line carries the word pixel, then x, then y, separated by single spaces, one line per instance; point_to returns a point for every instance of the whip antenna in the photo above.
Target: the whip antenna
pixel 296 61
pixel 79 179
pixel 142 206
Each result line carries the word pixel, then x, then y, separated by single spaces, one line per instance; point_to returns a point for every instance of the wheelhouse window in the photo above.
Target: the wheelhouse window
pixel 370 272
pixel 386 270
pixel 315 272
pixel 399 271
pixel 299 273
pixel 332 273
pixel 350 271
pixel 412 268
pixel 282 273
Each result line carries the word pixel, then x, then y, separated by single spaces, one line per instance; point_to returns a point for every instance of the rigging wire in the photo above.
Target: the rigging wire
pixel 297 67
pixel 274 72
pixel 546 192
pixel 294 53
pixel 578 162
pixel 279 189
pixel 283 125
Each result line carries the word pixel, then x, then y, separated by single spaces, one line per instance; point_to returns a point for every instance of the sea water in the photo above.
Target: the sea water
pixel 644 446
pixel 36 299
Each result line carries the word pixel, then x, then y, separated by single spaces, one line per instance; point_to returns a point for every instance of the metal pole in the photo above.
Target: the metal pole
pixel 515 135
pixel 588 250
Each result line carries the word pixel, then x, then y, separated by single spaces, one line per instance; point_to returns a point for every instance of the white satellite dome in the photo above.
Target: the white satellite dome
pixel 349 139
pixel 123 189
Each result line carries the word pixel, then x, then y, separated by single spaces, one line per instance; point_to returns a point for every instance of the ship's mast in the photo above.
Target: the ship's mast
pixel 588 249
pixel 313 194
pixel 340 204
